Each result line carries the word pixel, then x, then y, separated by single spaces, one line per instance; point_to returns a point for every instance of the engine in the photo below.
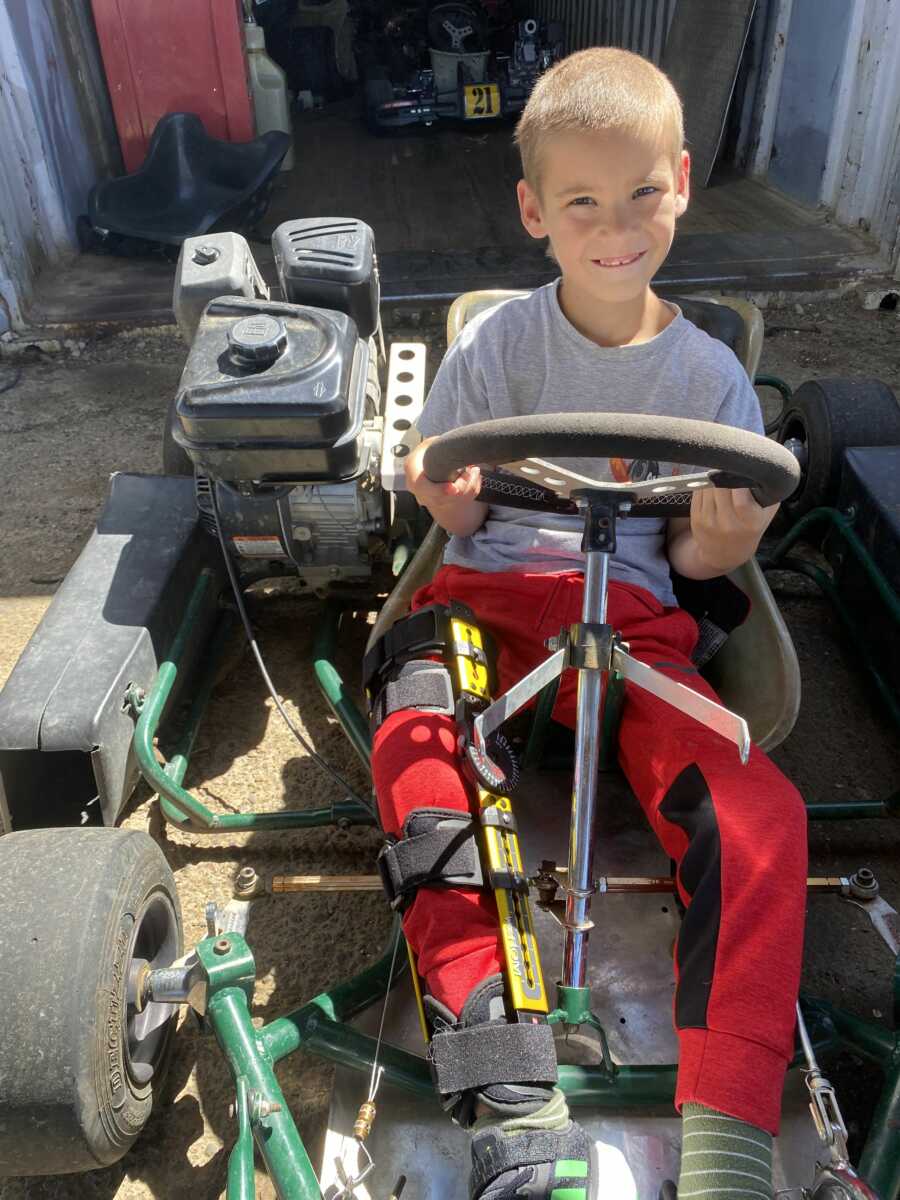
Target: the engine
pixel 280 408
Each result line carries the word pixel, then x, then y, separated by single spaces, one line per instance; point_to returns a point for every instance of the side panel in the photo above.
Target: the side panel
pixel 65 734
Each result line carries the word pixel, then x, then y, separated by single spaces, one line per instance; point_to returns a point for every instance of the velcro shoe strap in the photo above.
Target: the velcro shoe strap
pixel 438 847
pixel 419 684
pixel 467 1059
pixel 562 1161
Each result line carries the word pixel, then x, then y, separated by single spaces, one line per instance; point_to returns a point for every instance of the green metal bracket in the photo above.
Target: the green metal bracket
pixel 228 963
pixel 574 1009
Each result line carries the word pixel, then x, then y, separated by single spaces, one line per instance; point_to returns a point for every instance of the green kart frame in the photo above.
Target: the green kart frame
pixel 225 971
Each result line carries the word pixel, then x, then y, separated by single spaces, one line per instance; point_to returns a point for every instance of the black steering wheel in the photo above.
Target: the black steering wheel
pixel 732 457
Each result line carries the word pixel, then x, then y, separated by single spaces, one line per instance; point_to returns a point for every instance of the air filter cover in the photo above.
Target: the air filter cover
pixel 330 262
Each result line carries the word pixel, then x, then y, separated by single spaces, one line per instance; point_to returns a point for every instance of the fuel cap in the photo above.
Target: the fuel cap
pixel 257 341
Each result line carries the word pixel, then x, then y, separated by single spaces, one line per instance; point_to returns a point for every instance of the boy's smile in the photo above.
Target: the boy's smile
pixel 608 202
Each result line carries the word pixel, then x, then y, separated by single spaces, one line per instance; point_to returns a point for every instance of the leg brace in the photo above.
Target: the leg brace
pixel 441 847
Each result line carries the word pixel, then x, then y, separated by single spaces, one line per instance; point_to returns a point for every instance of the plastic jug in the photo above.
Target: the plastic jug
pixel 268 83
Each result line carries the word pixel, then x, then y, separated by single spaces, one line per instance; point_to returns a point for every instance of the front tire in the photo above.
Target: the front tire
pixel 80 1067
pixel 824 418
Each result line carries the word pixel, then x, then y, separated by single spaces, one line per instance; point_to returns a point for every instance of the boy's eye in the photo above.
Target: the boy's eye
pixel 645 191
pixel 583 200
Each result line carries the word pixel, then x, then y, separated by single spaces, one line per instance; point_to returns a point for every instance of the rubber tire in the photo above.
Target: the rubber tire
pixel 830 416
pixel 69 898
pixel 176 460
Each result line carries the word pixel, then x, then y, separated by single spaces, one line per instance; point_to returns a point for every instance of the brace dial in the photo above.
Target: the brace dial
pixel 496 772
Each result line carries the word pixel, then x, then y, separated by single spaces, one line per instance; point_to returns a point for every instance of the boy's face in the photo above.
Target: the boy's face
pixel 608 202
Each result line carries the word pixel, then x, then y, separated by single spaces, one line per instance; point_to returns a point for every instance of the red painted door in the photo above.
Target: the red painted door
pixel 164 56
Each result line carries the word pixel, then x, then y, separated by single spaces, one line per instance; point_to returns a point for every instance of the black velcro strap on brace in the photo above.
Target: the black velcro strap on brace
pixel 419 684
pixel 438 848
pixel 422 632
pixel 467 1059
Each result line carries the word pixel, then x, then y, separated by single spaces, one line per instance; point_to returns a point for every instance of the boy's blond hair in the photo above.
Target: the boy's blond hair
pixel 595 90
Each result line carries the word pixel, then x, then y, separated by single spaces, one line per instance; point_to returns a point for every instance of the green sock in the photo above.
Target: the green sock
pixel 553 1116
pixel 721 1156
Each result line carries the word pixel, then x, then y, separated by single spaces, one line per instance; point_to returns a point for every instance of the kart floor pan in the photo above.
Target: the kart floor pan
pixel 630 973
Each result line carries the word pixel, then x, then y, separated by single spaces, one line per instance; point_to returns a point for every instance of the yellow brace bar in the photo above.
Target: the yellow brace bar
pixel 417 991
pixel 471 660
pixel 523 964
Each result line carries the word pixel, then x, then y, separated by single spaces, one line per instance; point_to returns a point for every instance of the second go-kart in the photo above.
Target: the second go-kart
pixel 458 72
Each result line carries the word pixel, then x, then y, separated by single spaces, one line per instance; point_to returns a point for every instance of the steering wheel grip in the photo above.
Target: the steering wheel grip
pixel 773 470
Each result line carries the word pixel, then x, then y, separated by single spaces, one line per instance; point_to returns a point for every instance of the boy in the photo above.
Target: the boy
pixel 605 178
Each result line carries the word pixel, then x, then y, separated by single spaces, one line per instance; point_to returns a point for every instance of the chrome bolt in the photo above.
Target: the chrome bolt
pixel 204 255
pixel 260 1107
pixel 247 879
pixel 863 884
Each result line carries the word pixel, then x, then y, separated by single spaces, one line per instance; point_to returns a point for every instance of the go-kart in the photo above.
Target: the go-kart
pixel 455 69
pixel 295 459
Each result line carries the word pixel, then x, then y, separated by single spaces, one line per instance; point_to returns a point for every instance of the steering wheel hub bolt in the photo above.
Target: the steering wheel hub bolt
pixel 863 884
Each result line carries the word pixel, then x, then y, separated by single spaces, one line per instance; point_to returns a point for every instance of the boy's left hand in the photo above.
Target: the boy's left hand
pixel 724 530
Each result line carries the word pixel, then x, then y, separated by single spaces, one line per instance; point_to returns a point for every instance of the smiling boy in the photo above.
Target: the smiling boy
pixel 605 179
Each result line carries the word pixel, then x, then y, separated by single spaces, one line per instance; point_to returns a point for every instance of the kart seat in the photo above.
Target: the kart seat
pixel 189 184
pixel 769 699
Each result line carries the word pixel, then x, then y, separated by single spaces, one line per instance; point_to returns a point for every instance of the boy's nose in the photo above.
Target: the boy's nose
pixel 613 220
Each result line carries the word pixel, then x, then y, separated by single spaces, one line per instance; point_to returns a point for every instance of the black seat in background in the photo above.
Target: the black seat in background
pixel 190 183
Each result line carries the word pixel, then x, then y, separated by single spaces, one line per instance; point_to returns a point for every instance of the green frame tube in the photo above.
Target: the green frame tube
pixel 178 805
pixel 331 685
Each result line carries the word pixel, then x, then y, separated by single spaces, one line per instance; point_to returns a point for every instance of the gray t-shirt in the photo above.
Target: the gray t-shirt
pixel 525 357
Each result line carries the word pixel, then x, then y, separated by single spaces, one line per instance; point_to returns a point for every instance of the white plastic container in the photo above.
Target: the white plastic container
pixel 268 83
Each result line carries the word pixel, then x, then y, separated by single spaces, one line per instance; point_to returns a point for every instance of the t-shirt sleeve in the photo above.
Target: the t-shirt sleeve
pixel 456 397
pixel 740 406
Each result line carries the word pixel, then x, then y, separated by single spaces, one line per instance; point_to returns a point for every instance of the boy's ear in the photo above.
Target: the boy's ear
pixel 530 209
pixel 683 184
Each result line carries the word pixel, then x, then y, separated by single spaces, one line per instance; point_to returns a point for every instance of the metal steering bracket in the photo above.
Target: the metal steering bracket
pixel 592 646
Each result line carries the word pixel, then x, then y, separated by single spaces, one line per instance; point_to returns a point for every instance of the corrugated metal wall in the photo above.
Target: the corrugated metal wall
pixel 639 25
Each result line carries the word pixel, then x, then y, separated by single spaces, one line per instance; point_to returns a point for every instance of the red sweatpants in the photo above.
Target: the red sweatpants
pixel 738 834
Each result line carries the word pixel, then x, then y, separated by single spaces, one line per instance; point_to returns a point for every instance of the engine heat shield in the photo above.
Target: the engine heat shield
pixel 273 393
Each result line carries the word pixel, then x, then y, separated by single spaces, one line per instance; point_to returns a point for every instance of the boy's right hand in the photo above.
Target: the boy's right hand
pixel 453 505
